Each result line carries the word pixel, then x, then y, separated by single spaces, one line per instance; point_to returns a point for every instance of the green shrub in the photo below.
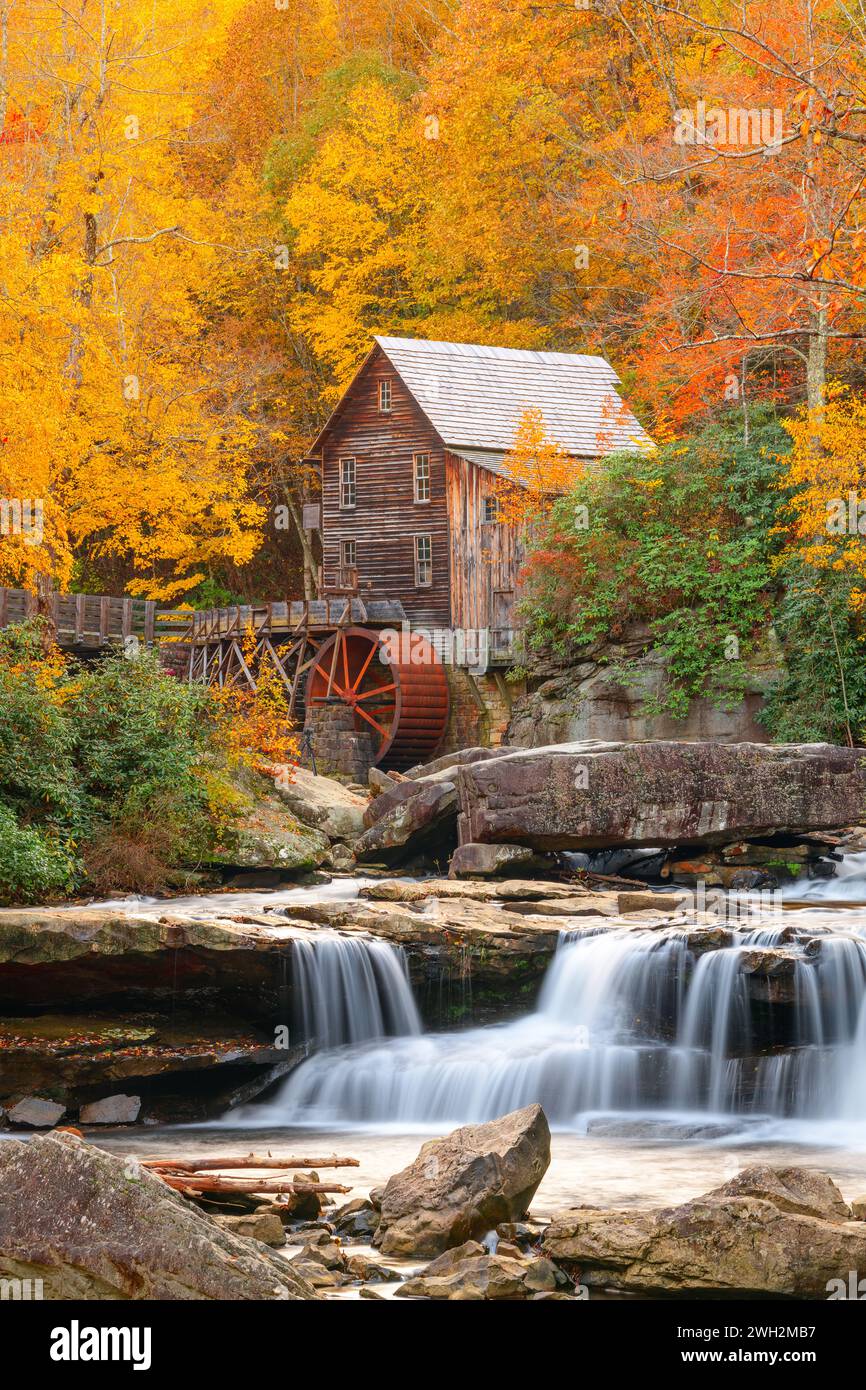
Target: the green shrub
pixel 821 695
pixel 101 770
pixel 678 541
pixel 37 773
pixel 138 734
pixel 32 865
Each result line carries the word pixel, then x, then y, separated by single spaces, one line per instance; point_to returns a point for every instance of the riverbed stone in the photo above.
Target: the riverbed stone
pixel 461 1186
pixel 356 1220
pixel 113 1110
pixel 506 890
pixel 265 1226
pixel 781 1232
pixel 93 1226
pixel 36 1112
pixel 487 861
pixel 473 1276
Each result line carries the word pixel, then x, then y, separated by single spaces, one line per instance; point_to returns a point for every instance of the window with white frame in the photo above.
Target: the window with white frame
pixel 348 555
pixel 385 394
pixel 423 561
pixel 490 512
pixel 348 483
pixel 422 477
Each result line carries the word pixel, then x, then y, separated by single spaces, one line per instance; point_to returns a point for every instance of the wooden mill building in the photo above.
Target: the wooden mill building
pixel 412 459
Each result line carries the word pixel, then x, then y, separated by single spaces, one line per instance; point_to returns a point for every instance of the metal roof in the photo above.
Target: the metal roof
pixel 474 396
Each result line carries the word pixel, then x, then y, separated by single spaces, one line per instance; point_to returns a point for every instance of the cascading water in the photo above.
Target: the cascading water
pixel 629 1020
pixel 350 989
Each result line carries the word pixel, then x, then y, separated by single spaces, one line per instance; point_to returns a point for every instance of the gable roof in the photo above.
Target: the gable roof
pixel 474 396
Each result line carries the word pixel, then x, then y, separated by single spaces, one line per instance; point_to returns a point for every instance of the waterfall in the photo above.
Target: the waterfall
pixel 350 989
pixel 629 1019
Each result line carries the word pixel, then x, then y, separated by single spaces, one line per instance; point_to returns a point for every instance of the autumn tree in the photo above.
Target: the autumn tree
pixel 119 413
pixel 744 185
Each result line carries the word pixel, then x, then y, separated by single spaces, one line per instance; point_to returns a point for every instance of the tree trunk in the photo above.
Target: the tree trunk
pixel 816 367
pixel 309 557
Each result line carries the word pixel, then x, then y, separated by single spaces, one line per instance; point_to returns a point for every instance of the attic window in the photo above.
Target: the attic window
pixel 422 477
pixel 490 509
pixel 384 395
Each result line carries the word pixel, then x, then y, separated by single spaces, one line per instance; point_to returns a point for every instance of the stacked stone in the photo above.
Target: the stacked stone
pixel 337 746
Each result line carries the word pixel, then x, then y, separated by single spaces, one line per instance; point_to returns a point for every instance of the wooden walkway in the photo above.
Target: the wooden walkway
pixel 85 622
pixel 226 644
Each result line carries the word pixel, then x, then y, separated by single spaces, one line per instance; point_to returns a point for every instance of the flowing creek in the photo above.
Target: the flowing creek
pixel 644 1055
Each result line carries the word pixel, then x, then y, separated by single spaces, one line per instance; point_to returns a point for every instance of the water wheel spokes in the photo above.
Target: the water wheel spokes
pixel 403 700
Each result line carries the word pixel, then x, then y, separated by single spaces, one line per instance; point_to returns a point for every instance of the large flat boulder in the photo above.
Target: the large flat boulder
pixel 95 1226
pixel 582 796
pixel 65 956
pixel 462 1186
pixel 770 1231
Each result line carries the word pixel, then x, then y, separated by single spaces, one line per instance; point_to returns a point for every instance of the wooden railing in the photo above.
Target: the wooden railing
pixel 84 620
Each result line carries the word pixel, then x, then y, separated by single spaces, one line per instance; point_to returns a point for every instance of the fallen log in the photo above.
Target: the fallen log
pixel 203 1165
pixel 182 1182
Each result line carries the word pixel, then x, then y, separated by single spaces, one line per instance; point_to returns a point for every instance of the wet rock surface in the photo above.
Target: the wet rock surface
pixel 770 1231
pixel 113 1069
pixel 92 1226
pixel 461 1186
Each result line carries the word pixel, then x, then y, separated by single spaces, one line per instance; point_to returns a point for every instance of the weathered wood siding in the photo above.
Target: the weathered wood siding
pixel 386 517
pixel 486 557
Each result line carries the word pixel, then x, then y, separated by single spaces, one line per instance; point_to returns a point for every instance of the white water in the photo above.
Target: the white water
pixel 350 989
pixel 210 905
pixel 629 1023
pixel 848 884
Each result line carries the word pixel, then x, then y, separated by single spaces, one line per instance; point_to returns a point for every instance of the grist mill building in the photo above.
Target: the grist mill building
pixel 412 458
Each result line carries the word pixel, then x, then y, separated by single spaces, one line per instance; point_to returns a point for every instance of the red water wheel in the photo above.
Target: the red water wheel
pixel 394 683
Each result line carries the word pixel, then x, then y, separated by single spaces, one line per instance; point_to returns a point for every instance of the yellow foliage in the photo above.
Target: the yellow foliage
pixel 254 728
pixel 825 516
pixel 539 470
pixel 117 413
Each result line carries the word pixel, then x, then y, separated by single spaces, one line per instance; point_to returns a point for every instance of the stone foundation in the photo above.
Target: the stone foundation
pixel 480 709
pixel 339 750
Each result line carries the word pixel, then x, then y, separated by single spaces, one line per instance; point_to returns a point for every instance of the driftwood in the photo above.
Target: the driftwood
pixel 182 1182
pixel 204 1165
